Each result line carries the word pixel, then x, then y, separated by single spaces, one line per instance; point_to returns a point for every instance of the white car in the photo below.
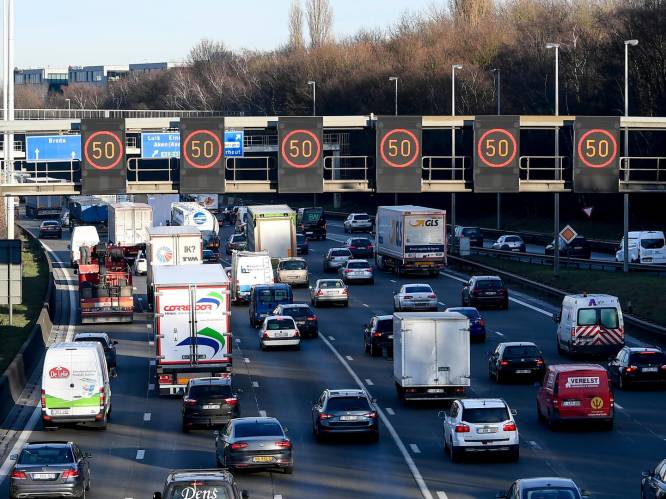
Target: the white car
pixel 510 243
pixel 480 425
pixel 359 222
pixel 140 266
pixel 279 331
pixel 357 270
pixel 415 297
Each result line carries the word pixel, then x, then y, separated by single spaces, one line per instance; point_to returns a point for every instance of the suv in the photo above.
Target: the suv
pixel 200 483
pixel 378 335
pixel 519 358
pixel 209 402
pixel 359 222
pixel 485 290
pixel 108 346
pixel 50 228
pixel 336 258
pixel 480 425
pixel 637 365
pixel 474 235
pixel 344 411
pixel 578 248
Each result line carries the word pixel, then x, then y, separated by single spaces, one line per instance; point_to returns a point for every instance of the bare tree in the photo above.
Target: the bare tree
pixel 296 25
pixel 470 11
pixel 320 22
pixel 31 96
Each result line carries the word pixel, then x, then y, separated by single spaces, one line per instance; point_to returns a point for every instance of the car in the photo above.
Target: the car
pixel 510 243
pixel 413 297
pixel 360 247
pixel 52 468
pixel 336 258
pixel 477 324
pixel 345 411
pixel 360 222
pixel 357 270
pixel 254 443
pixel 543 488
pixel 378 335
pixel 306 319
pixel 329 291
pixel 292 271
pixel 480 425
pixel 653 482
pixel 108 345
pixel 50 228
pixel 200 483
pixel 516 359
pixel 264 298
pixel 279 331
pixel 578 248
pixel 209 256
pixel 485 290
pixel 474 235
pixel 633 366
pixel 302 246
pixel 236 242
pixel 209 402
pixel 140 266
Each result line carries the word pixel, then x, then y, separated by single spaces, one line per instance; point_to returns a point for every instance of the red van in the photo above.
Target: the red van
pixel 575 392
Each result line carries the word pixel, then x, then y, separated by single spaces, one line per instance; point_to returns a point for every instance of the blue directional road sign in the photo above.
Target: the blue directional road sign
pixel 160 145
pixel 233 143
pixel 53 147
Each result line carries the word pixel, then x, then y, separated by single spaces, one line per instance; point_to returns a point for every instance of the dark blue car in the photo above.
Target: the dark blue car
pixel 264 298
pixel 477 325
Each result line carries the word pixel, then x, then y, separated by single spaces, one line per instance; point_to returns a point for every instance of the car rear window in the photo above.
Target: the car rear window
pixel 358 265
pixel 385 325
pixel 360 242
pixel 485 415
pixel 341 252
pixel 331 284
pixel 361 217
pixel 489 284
pixel 513 239
pixel 50 224
pixel 239 238
pixel 297 312
pixel 655 243
pixel 471 231
pixel 275 324
pixel 606 317
pixel 418 289
pixel 258 429
pixel 199 489
pixel 550 493
pixel 46 455
pixel 521 352
pixel 647 358
pixel 348 404
pixel 212 390
pixel 293 265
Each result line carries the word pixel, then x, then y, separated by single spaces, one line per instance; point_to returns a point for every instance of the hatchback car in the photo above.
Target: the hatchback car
pixel 360 222
pixel 209 402
pixel 510 243
pixel 480 425
pixel 209 256
pixel 477 324
pixel 653 482
pixel 378 335
pixel 236 242
pixel 637 366
pixel 357 270
pixel 474 235
pixel 108 345
pixel 201 483
pixel 360 247
pixel 302 246
pixel 336 258
pixel 485 291
pixel 254 443
pixel 516 359
pixel 344 411
pixel 578 248
pixel 543 488
pixel 414 297
pixel 306 319
pixel 279 331
pixel 50 228
pixel 329 291
pixel 292 271
pixel 50 469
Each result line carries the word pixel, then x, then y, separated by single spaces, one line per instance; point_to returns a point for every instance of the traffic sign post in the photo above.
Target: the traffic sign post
pixel 103 167
pixel 160 145
pixel 398 155
pixel 11 275
pixel 496 154
pixel 301 154
pixel 596 154
pixel 202 155
pixel 52 148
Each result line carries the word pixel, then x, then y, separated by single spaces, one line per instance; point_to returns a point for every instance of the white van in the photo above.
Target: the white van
pixel 75 385
pixel 591 324
pixel 249 269
pixel 646 246
pixel 82 235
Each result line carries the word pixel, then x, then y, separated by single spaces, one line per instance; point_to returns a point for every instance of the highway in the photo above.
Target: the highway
pixel 144 440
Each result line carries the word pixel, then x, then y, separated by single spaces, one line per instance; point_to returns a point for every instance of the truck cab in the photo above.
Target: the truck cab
pixel 264 299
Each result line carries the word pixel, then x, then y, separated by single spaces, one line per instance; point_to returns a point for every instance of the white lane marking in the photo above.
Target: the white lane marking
pixel 619 406
pixel 151 387
pixel 369 382
pixel 418 478
pixel 277 496
pixel 390 411
pixel 534 445
pixel 415 448
pixel 36 414
pixel 331 338
pixel 391 280
pixel 255 384
pixel 349 357
pixel 442 495
pixel 366 305
pixel 152 363
pixel 148 326
pixel 498 333
pixel 146 416
pixel 441 304
pixel 246 360
pixel 140 454
pixel 133 288
pixel 238 340
pixel 262 414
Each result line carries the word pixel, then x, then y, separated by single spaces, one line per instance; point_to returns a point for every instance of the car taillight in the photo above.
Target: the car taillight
pixel 101 397
pixel 502 291
pixel 231 401
pixel 265 334
pixel 481 322
pixel 347 271
pixel 190 402
pixel 432 297
pixel 631 369
pixel 283 444
pixel 71 473
pixel 462 428
pixel 238 445
pixel 344 291
pixel 320 292
pixel 312 318
pixel 539 362
pixel 509 427
pixel 663 368
pixel 352 247
pixel 407 297
pixel 297 334
pixel 371 414
pixel 377 333
pixel 323 415
pixel 43 399
pixel 504 363
pixel 19 475
pixel 476 292
pixel 165 379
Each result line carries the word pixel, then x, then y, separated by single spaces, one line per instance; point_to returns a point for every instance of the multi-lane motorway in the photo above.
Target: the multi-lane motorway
pixel 144 439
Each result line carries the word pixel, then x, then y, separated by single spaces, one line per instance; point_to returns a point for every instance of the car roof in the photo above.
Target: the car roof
pixel 47 442
pixel 518 344
pixel 293 305
pixel 546 482
pixel 210 381
pixel 279 317
pixel 356 260
pixel 352 392
pixel 487 277
pixel 92 335
pixel 566 368
pixel 383 317
pixel 187 475
pixel 457 309
pixel 644 349
pixel 259 419
pixel 291 258
pixel 417 284
pixel 482 403
pixel 328 280
pixel 50 221
pixel 342 248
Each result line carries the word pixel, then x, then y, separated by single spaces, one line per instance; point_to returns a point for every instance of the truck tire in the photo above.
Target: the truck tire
pixel 400 392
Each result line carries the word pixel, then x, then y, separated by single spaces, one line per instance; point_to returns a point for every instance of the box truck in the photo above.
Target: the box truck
pixel 271 228
pixel 431 357
pixel 129 224
pixel 249 269
pixel 82 235
pixel 192 325
pixel 410 238
pixel 190 213
pixel 43 206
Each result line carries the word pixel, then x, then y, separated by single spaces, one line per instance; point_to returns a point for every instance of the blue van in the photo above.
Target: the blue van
pixel 264 298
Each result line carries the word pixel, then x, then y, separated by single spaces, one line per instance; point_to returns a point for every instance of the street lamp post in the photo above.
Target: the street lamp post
pixel 556 226
pixel 395 79
pixel 625 256
pixel 314 97
pixel 496 73
pixel 453 141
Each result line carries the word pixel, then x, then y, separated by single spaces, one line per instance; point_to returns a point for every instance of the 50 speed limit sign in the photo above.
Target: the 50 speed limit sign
pixel 103 168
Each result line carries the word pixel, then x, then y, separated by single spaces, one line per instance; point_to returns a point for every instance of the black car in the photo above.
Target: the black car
pixel 200 483
pixel 209 402
pixel 344 411
pixel 516 360
pixel 50 228
pixel 637 365
pixel 303 315
pixel 50 469
pixel 378 335
pixel 653 482
pixel 302 247
pixel 578 248
pixel 485 290
pixel 108 345
pixel 209 256
pixel 474 235
pixel 360 247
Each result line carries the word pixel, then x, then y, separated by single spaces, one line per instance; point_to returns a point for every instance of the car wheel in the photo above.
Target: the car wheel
pixel 374 436
pixel 315 303
pixel 289 470
pixel 608 426
pixel 552 424
pixel 540 417
pixel 454 454
pixel 262 347
pixel 498 377
pixel 560 350
pixel 375 352
pixel 505 305
pixel 184 428
pixel 514 454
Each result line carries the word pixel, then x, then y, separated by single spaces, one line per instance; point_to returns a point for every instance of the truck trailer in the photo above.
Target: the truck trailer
pixel 128 226
pixel 271 228
pixel 191 213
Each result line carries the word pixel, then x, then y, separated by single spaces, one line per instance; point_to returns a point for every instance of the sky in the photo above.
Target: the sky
pixel 90 32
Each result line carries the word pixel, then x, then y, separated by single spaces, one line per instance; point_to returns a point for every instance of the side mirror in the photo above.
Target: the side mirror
pixel 585 493
pixel 157 495
pixel 514 412
pixel 557 317
pixel 114 342
pixel 244 494
pixel 374 401
pixel 13 457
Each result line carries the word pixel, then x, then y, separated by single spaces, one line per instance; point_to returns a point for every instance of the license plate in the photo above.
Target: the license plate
pixel 649 369
pixel 211 406
pixel 523 371
pixel 300 323
pixel 571 403
pixel 390 336
pixel 262 459
pixel 59 412
pixel 490 293
pixel 435 390
pixel 43 476
pixel 487 430
pixel 281 334
pixel 348 418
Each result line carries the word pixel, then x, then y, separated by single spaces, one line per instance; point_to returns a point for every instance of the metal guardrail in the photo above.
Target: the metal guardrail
pixel 59 114
pixel 154 167
pixel 637 172
pixel 449 169
pixel 532 169
pixel 345 169
pixel 238 170
pixel 545 238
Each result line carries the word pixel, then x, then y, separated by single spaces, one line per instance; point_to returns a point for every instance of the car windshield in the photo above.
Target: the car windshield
pixel 99 340
pixel 489 284
pixel 199 489
pixel 358 265
pixel 341 252
pixel 46 455
pixel 331 284
pixel 293 265
pixel 606 317
pixel 471 231
pixel 647 358
pixel 297 312
pixel 362 217
pixel 212 390
pixel 258 429
pixel 359 242
pixel 239 238
pixel 418 289
pixel 385 325
pixel 275 324
pixel 521 352
pixel 348 404
pixel 50 224
pixel 655 243
pixel 550 493
pixel 485 415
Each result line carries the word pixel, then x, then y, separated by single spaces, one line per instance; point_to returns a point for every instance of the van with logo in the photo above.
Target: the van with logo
pixel 645 246
pixel 264 299
pixel 590 324
pixel 576 393
pixel 75 385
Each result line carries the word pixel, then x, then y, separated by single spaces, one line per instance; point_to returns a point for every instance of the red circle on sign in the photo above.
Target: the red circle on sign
pixel 215 159
pixel 412 135
pixel 602 132
pixel 114 137
pixel 482 156
pixel 296 165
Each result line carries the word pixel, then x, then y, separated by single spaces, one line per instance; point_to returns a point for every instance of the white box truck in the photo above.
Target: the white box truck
pixel 81 235
pixel 192 324
pixel 410 238
pixel 129 223
pixel 431 357
pixel 271 228
pixel 249 269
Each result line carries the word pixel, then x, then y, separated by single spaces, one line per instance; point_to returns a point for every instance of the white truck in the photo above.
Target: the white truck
pixel 410 238
pixel 271 228
pixel 82 235
pixel 192 325
pixel 249 269
pixel 129 224
pixel 431 355
pixel 191 213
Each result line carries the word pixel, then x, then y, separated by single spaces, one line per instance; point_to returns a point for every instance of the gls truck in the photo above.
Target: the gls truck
pixel 431 357
pixel 271 228
pixel 410 238
pixel 192 325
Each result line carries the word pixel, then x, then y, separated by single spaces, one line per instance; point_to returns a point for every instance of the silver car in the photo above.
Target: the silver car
pixel 357 270
pixel 336 258
pixel 292 271
pixel 358 222
pixel 329 291
pixel 415 297
pixel 510 243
